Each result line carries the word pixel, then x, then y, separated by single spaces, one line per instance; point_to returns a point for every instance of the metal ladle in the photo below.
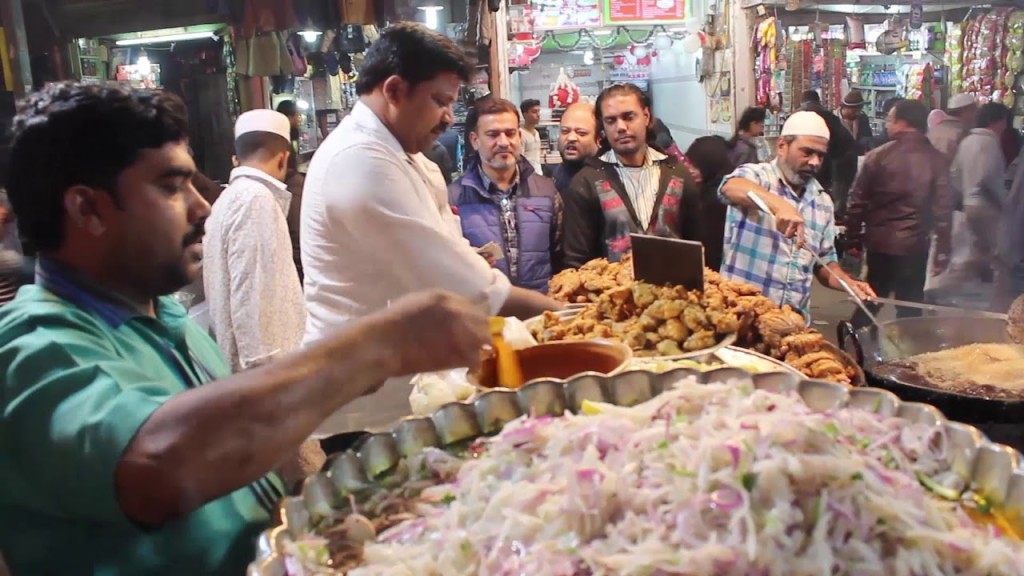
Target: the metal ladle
pixel 842 282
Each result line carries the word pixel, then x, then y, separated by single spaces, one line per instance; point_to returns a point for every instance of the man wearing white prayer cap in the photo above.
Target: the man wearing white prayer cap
pixel 959 119
pixel 253 289
pixel 777 252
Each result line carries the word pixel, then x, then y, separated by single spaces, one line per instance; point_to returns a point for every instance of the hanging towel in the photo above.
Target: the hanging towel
pixel 357 11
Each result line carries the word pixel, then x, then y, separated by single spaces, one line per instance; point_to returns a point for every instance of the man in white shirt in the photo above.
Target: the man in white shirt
pixel 248 272
pixel 376 223
pixel 530 135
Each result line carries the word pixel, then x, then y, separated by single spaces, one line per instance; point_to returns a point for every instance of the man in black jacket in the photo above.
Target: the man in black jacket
pixel 841 144
pixel 577 142
pixel 631 188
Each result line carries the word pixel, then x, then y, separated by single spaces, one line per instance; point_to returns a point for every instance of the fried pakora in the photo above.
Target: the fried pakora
pixel 671 320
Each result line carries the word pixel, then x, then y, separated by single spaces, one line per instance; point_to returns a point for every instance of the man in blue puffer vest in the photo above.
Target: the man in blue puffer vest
pixel 501 198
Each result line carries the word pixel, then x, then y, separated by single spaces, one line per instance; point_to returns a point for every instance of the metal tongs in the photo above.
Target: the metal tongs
pixel 842 282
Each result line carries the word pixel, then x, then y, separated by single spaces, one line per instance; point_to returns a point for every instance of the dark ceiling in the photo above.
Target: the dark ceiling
pixel 93 18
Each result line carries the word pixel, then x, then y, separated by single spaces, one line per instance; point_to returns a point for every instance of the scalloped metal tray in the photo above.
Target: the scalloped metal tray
pixel 991 469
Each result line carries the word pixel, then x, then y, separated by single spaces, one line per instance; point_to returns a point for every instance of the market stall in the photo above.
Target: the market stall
pixel 700 449
pixel 920 51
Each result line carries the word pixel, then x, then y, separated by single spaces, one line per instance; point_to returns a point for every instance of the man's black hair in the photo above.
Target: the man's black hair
pixel 625 89
pixel 412 52
pixel 810 96
pixel 251 144
pixel 990 114
pixel 529 104
pixel 750 116
pixel 81 134
pixel 912 113
pixel 891 103
pixel 488 106
pixel 288 108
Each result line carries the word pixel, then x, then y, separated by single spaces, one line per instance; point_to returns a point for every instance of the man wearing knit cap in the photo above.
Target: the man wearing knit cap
pixel 953 128
pixel 776 253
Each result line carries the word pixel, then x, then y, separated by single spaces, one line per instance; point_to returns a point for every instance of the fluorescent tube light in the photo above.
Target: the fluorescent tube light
pixel 168 38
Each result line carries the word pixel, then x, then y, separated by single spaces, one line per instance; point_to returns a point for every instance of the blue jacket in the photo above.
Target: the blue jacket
pixel 538 222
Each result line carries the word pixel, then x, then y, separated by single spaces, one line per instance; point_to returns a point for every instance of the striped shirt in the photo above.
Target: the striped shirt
pixel 756 253
pixel 8 289
pixel 641 182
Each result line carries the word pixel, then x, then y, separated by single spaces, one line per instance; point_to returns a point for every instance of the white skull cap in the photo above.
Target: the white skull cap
pixel 959 101
pixel 264 121
pixel 806 123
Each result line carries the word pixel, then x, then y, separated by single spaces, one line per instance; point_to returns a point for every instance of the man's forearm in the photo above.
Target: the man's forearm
pixel 828 275
pixel 736 192
pixel 208 441
pixel 525 304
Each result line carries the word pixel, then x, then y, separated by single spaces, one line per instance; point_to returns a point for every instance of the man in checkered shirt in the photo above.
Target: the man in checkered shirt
pixel 778 256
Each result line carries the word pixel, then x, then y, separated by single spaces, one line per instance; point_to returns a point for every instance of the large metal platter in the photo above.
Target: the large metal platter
pixel 990 469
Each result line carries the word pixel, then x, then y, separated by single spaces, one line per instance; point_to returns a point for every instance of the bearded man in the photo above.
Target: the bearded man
pixel 777 252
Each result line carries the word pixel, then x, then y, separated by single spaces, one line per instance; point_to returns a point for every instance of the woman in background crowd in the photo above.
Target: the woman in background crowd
pixel 710 155
pixel 743 147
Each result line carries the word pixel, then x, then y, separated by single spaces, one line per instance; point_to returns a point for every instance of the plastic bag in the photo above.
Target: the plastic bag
pixel 433 390
pixel 955 274
pixel 517 334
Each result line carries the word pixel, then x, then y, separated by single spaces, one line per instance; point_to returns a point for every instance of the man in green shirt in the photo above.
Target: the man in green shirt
pixel 126 447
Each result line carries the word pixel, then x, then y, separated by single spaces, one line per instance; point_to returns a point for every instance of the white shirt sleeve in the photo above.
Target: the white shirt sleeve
pixel 405 230
pixel 256 298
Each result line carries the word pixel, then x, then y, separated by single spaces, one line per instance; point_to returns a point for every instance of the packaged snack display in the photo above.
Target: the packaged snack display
pixel 768 37
pixel 991 46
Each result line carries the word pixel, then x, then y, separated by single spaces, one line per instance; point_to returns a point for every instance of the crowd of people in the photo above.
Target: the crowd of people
pixel 136 443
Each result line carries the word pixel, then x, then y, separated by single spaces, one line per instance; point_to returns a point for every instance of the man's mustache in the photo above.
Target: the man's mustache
pixel 197 233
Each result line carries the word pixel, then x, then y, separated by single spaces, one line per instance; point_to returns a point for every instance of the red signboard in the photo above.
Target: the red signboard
pixel 643 11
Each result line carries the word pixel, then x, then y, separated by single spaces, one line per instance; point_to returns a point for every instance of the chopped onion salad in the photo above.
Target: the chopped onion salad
pixel 716 479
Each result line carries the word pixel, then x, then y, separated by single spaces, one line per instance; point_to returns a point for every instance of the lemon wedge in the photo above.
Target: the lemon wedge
pixel 591 408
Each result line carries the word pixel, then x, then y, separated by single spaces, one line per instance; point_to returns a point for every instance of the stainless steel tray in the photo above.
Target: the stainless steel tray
pixel 705 355
pixel 991 469
pixel 728 356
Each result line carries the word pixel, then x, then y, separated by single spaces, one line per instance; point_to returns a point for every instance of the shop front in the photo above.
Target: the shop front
pixel 885 50
pixel 567 51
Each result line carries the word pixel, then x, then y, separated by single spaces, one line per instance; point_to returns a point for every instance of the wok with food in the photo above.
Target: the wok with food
pixel 738 475
pixel 671 320
pixel 965 366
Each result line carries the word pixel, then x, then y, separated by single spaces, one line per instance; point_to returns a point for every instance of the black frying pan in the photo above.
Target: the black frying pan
pixel 1002 420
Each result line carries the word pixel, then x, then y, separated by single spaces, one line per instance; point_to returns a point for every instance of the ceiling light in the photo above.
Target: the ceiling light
pixel 167 38
pixel 431 20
